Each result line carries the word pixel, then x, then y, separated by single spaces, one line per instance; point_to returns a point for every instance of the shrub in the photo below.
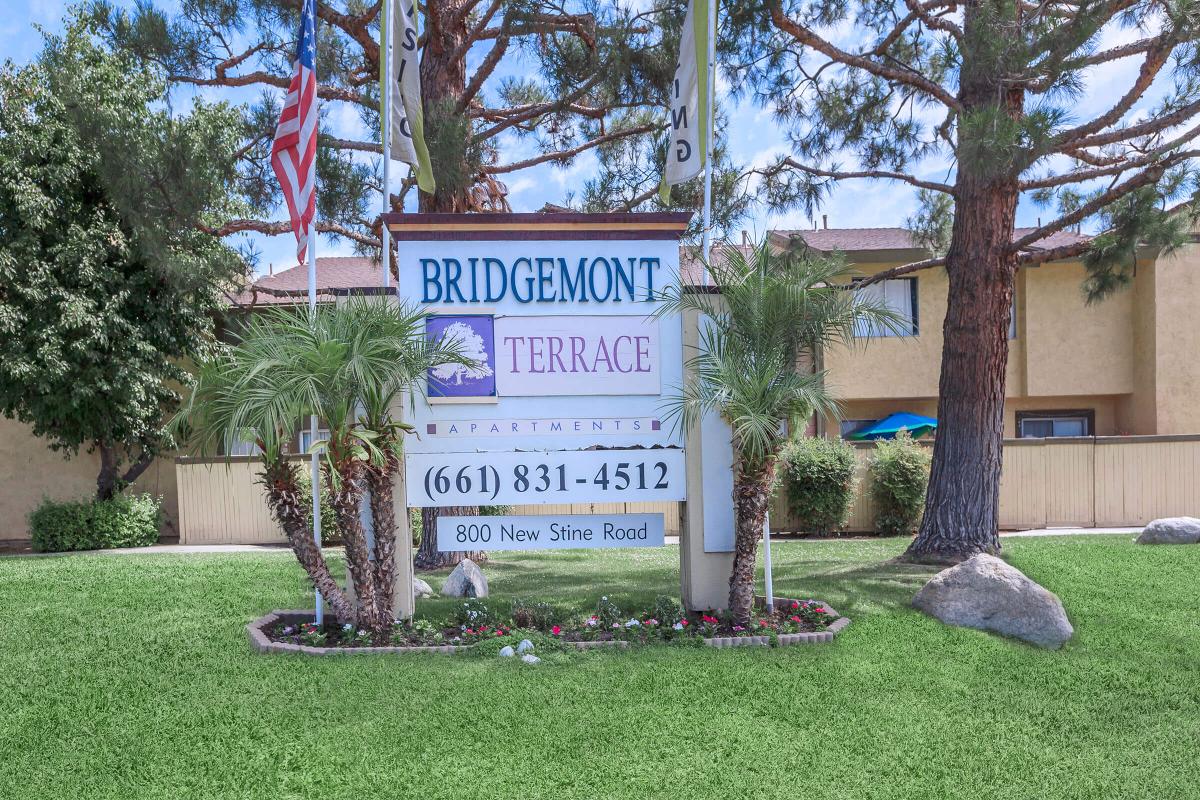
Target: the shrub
pixel 473 613
pixel 818 480
pixel 900 473
pixel 331 534
pixel 667 610
pixel 528 614
pixel 123 521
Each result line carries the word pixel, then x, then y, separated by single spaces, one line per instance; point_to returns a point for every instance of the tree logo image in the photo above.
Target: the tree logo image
pixel 473 347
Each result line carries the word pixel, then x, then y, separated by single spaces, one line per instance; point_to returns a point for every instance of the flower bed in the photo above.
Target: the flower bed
pixel 474 622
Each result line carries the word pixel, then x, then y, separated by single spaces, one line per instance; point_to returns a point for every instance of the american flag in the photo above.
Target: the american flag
pixel 294 151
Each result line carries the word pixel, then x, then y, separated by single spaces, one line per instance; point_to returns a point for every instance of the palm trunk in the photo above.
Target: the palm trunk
pixel 383 517
pixel 961 506
pixel 751 496
pixel 346 501
pixel 291 512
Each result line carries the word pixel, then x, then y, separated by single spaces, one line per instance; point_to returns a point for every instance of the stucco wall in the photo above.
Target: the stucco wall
pixel 1073 348
pixel 1063 346
pixel 30 471
pixel 1104 406
pixel 1177 341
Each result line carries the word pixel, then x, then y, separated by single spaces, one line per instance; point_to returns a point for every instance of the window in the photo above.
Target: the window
pixel 1012 317
pixel 244 446
pixel 1045 424
pixel 898 295
pixel 306 438
pixel 850 426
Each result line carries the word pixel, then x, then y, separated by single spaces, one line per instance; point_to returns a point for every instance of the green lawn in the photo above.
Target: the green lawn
pixel 130 677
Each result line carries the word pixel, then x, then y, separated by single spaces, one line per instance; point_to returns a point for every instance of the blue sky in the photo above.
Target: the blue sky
pixel 754 139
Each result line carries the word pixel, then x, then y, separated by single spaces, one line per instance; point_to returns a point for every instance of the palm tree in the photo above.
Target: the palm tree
pixel 761 333
pixel 347 364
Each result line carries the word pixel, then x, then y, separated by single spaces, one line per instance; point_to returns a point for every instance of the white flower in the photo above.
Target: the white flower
pixel 362 632
pixel 347 627
pixel 633 623
pixel 678 626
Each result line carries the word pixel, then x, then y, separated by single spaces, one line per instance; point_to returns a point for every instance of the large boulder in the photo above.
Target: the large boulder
pixel 989 594
pixel 1171 530
pixel 421 588
pixel 467 580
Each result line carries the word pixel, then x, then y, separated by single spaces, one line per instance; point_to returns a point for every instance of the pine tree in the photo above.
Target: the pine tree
pixel 992 86
pixel 562 79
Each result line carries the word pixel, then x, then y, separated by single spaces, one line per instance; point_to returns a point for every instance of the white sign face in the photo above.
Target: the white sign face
pixel 572 356
pixel 539 478
pixel 531 532
pixel 569 353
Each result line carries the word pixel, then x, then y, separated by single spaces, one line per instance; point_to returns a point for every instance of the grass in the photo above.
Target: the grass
pixel 130 677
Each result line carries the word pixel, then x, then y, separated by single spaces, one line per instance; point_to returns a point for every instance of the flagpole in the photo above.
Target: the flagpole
pixel 386 90
pixel 315 474
pixel 711 34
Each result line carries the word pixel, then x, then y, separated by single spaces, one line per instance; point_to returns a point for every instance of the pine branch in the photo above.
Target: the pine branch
pixel 896 272
pixel 485 70
pixel 1054 253
pixel 1116 166
pixel 635 201
pixel 276 228
pixel 565 155
pixel 1157 55
pixel 806 36
pixel 1103 57
pixel 1116 192
pixel 539 109
pixel 1181 114
pixel 842 175
pixel 350 144
pixel 260 78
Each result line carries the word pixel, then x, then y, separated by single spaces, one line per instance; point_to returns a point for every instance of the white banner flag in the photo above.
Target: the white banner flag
pixel 688 129
pixel 407 118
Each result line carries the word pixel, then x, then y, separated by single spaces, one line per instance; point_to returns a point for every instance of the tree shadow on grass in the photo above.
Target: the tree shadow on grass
pixel 858 587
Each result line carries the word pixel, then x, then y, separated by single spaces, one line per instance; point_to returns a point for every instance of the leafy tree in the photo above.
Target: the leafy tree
pixel 994 88
pixel 348 364
pixel 107 282
pixel 772 312
pixel 561 79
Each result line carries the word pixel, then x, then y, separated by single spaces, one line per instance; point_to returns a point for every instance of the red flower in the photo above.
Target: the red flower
pixel 820 611
pixel 683 622
pixel 794 618
pixel 795 604
pixel 499 633
pixel 556 630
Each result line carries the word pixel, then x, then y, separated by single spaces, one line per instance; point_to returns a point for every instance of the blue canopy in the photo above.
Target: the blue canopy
pixel 888 427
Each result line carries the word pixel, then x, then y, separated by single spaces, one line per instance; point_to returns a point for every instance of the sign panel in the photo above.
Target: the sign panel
pixel 569 353
pixel 549 532
pixel 577 355
pixel 540 477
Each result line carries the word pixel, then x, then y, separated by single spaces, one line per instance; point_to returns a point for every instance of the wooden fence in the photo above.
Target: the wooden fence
pixel 1094 482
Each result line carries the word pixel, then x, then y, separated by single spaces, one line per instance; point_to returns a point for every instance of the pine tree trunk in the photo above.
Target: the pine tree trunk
pixel 428 557
pixel 961 506
pixel 443 83
pixel 751 496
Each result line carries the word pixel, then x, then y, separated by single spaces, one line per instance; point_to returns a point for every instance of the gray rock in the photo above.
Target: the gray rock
pixel 525 646
pixel 507 651
pixel 421 588
pixel 467 580
pixel 1171 530
pixel 989 594
pixel 530 658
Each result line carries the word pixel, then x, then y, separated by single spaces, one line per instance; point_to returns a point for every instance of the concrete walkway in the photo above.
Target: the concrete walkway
pixel 1073 532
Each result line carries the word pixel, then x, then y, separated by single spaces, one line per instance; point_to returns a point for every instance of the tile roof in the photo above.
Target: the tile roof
pixel 827 240
pixel 291 285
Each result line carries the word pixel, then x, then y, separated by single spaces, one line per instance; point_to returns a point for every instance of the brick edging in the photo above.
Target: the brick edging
pixel 262 644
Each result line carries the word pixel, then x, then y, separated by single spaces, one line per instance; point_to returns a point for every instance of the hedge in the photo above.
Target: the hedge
pixel 123 521
pixel 817 476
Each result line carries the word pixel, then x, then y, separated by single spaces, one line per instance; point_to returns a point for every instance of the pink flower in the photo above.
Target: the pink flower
pixel 794 618
pixel 499 633
pixel 820 611
pixel 795 604
pixel 683 622
pixel 556 630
